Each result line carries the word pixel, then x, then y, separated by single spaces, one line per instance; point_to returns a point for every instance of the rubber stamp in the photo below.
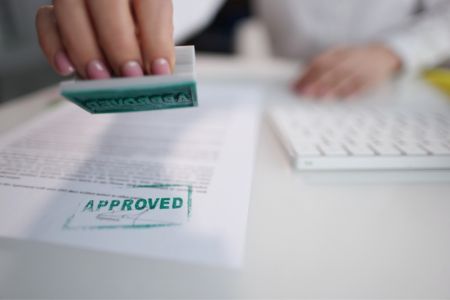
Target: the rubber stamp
pixel 152 92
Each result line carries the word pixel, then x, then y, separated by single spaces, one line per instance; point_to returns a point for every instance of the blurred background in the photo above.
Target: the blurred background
pixel 24 69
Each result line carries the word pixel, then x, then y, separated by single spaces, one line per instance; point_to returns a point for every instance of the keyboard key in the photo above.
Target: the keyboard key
pixel 360 150
pixel 333 150
pixel 386 149
pixel 437 148
pixel 412 149
pixel 304 149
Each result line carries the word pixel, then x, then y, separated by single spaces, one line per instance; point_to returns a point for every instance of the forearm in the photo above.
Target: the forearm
pixel 424 41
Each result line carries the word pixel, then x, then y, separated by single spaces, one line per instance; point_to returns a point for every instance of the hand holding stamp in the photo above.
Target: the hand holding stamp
pixel 103 38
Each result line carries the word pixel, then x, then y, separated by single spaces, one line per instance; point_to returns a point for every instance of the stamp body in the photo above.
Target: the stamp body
pixel 136 99
pixel 120 95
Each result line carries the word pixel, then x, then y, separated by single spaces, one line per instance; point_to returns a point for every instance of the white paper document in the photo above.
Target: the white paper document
pixel 170 184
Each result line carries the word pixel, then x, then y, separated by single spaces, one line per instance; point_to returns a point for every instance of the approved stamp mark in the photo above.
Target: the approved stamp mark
pixel 145 206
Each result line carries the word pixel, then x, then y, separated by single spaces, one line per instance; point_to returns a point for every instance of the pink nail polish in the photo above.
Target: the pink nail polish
pixel 160 66
pixel 63 64
pixel 97 70
pixel 132 69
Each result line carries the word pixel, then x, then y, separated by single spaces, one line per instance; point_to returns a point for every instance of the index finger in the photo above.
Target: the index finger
pixel 155 29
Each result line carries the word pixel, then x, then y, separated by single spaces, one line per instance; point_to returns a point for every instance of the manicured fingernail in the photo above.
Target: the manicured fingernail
pixel 132 69
pixel 97 70
pixel 160 66
pixel 63 64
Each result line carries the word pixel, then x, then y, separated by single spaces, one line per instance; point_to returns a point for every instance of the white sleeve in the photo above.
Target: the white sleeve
pixel 425 41
pixel 191 16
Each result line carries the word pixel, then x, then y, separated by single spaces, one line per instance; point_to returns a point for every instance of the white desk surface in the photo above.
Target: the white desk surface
pixel 316 235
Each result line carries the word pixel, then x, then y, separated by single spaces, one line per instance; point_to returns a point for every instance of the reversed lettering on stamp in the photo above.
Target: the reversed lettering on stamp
pixel 162 206
pixel 135 99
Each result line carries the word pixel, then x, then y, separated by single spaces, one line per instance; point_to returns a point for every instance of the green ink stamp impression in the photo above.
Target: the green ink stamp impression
pixel 138 94
pixel 145 206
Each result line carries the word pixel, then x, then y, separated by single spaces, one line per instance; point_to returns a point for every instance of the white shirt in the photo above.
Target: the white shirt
pixel 417 30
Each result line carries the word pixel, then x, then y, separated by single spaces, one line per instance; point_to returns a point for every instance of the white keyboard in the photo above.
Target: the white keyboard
pixel 349 136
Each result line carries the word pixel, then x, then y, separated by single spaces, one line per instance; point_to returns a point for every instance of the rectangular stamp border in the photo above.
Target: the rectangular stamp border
pixel 66 225
pixel 81 97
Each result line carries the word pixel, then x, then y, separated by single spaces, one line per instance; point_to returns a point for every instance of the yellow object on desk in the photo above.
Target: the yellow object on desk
pixel 440 78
